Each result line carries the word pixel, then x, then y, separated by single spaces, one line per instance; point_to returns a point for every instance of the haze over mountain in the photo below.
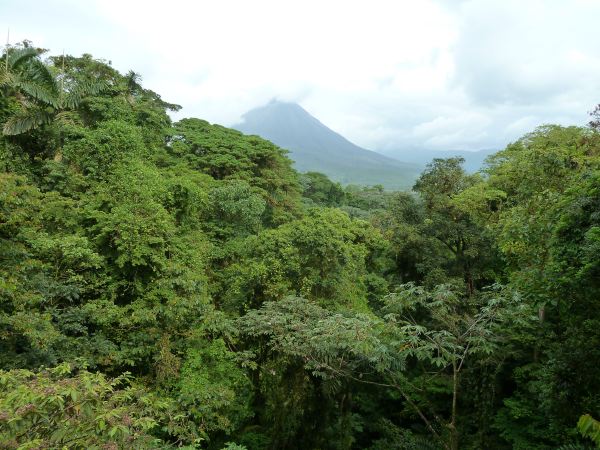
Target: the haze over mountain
pixel 474 160
pixel 315 147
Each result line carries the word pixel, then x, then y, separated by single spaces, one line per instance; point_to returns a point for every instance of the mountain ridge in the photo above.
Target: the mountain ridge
pixel 315 147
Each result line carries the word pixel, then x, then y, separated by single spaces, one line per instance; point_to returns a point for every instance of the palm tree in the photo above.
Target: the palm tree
pixel 42 97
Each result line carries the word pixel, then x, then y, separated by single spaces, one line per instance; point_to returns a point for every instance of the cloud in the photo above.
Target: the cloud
pixel 386 74
pixel 526 52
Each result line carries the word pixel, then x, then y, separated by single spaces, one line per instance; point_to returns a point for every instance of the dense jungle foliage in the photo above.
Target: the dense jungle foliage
pixel 180 285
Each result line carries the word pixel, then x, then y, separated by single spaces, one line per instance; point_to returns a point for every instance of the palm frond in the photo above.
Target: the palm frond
pixel 25 102
pixel 26 120
pixel 82 90
pixel 133 80
pixel 68 118
pixel 95 87
pixel 38 92
pixel 17 57
pixel 39 73
pixel 7 78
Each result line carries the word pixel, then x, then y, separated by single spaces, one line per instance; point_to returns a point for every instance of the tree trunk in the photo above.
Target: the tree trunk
pixel 452 425
pixel 469 280
pixel 542 318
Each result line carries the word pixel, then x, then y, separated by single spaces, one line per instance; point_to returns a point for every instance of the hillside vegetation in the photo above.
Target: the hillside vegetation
pixel 180 285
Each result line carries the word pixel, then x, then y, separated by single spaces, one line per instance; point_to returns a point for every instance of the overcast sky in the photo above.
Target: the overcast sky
pixel 385 74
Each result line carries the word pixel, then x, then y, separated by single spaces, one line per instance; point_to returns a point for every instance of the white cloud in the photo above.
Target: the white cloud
pixel 386 74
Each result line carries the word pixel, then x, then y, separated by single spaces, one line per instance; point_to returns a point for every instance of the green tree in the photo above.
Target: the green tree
pixel 397 352
pixel 228 154
pixel 544 231
pixel 325 256
pixel 321 190
pixel 59 408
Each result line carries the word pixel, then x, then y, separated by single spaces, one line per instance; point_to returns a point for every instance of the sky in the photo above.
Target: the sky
pixel 388 75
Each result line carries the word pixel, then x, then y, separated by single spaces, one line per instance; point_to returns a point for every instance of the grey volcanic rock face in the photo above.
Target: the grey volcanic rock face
pixel 314 147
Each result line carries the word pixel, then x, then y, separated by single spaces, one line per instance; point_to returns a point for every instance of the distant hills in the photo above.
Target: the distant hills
pixel 315 147
pixel 421 157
